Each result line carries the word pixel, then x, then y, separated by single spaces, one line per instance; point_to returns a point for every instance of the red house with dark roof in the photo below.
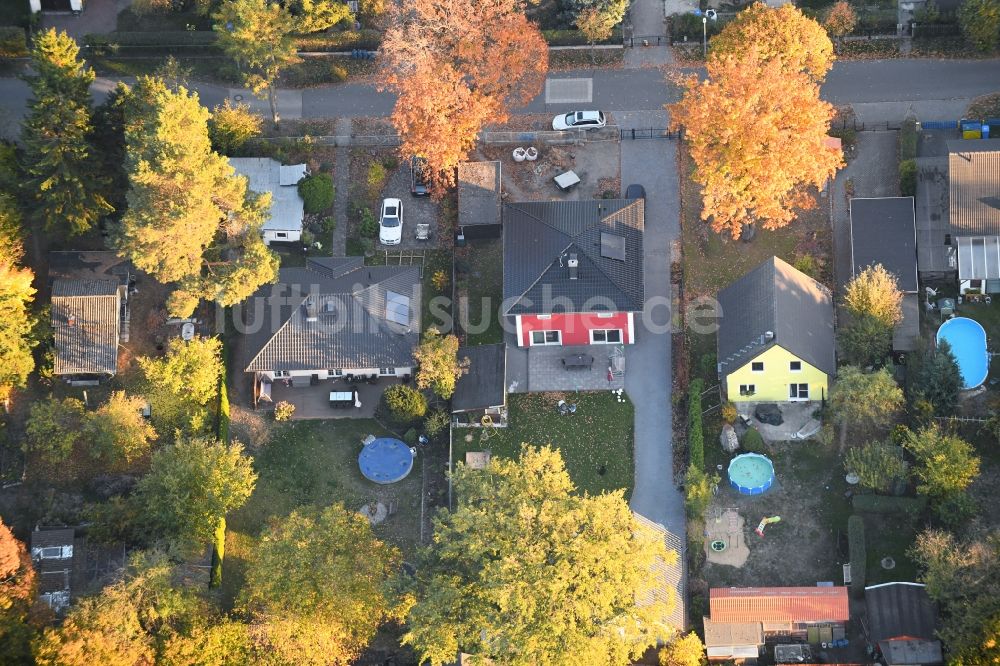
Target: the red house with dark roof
pixel 573 271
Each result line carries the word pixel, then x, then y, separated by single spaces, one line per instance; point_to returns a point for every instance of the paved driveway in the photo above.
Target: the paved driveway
pixel 652 163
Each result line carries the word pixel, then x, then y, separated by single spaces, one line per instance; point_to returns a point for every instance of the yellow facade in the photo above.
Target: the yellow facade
pixel 772 383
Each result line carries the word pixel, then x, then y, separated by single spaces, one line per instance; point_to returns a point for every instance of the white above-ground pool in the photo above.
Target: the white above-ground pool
pixel 967 339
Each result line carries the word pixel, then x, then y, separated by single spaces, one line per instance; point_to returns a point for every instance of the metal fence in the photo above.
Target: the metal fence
pixel 390 140
pixel 650 133
pixel 550 137
pixel 883 126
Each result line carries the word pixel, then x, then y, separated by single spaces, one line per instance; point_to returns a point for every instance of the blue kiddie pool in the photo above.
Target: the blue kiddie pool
pixel 751 473
pixel 967 340
pixel 386 460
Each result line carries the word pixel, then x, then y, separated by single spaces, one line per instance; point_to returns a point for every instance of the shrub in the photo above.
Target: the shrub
pixel 13 43
pixel 342 40
pixel 908 178
pixel 908 140
pixel 328 224
pixel 707 364
pixel 368 227
pixel 877 464
pixel 807 264
pixel 696 436
pixel 577 38
pixel 729 413
pixel 376 178
pixel 440 280
pixel 436 422
pixel 753 442
pixel 858 553
pixel 317 192
pixel 405 403
pixel 410 436
pixel 231 126
pixel 283 411
pixel 391 163
pixel 224 418
pixel 697 491
pixel 338 73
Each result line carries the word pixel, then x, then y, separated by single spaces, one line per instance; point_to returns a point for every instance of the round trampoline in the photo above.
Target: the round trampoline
pixel 385 460
pixel 967 340
pixel 751 473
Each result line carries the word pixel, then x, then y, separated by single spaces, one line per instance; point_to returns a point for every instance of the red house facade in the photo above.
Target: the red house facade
pixel 573 271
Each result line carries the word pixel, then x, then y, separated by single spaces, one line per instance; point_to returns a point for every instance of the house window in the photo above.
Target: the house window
pixel 52 553
pixel 282 373
pixel 546 338
pixel 336 373
pixel 605 315
pixel 387 372
pixel 757 366
pixel 606 336
pixel 798 391
pixel 280 234
pixel 795 366
pixel 748 389
pixel 545 316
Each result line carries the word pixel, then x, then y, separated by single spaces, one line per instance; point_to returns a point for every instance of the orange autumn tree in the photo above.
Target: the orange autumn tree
pixel 457 66
pixel 784 34
pixel 756 127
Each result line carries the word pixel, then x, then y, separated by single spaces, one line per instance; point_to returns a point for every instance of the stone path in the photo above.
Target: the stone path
pixel 342 185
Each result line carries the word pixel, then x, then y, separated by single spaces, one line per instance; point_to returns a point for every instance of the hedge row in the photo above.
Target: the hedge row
pixel 907 158
pixel 13 43
pixel 222 423
pixel 576 38
pixel 696 436
pixel 858 553
pixel 883 504
pixel 344 40
pixel 160 38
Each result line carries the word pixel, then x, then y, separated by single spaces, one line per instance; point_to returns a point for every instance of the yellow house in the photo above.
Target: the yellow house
pixel 775 339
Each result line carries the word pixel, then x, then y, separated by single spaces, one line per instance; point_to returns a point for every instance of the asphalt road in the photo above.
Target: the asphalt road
pixel 935 86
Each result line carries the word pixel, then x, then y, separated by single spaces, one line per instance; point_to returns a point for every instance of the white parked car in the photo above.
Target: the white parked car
pixel 579 120
pixel 390 224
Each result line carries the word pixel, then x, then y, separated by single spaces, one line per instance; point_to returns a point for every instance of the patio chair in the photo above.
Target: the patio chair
pixel 367 439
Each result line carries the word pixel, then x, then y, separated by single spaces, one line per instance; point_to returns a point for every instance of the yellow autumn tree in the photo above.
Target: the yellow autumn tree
pixel 784 34
pixel 756 131
pixel 840 19
pixel 456 66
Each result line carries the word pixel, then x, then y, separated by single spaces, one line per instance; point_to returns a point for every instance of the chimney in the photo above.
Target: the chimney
pixel 310 306
pixel 574 264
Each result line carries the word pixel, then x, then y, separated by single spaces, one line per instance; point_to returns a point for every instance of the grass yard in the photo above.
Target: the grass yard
pixel 889 535
pixel 316 462
pixel 479 274
pixel 435 289
pixel 596 442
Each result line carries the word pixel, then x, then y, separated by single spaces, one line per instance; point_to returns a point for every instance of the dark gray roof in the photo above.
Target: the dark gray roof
pixel 86 325
pixel 89 265
pixel 539 237
pixel 44 538
pixel 911 652
pixel 882 232
pixel 351 329
pixel 478 193
pixel 974 186
pixel 485 382
pixel 900 609
pixel 775 297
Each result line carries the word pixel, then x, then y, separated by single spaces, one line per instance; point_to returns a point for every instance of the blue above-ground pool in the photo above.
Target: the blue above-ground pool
pixel 385 460
pixel 751 473
pixel 967 340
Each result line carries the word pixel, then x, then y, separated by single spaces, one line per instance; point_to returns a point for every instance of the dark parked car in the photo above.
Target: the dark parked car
pixel 635 191
pixel 418 177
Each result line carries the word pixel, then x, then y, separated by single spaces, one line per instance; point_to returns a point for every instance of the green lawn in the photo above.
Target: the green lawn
pixel 479 268
pixel 596 442
pixel 316 462
pixel 889 535
pixel 436 261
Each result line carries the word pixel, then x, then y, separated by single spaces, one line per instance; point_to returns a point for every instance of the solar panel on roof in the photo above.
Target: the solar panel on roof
pixel 612 246
pixel 397 308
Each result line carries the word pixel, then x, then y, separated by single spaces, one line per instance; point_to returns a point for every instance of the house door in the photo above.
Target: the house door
pixel 546 338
